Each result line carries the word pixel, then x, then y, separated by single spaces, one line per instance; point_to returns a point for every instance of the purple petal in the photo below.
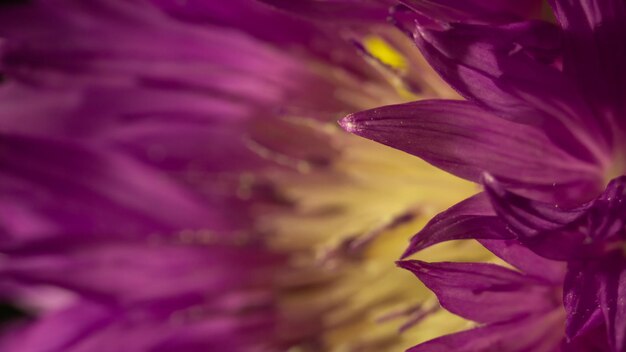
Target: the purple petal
pixel 126 271
pixel 88 327
pixel 465 140
pixel 473 218
pixel 531 334
pixel 475 10
pixel 563 234
pixel 53 182
pixel 346 10
pixel 594 340
pixel 508 70
pixel 526 261
pixel 484 293
pixel 580 297
pixel 612 302
pixel 197 63
pixel 595 49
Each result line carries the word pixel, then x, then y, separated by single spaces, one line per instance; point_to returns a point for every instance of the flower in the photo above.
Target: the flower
pixel 542 119
pixel 176 181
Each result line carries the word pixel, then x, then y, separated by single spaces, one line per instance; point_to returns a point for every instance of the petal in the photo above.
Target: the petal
pixel 530 334
pixel 485 293
pixel 126 271
pixel 475 10
pixel 526 261
pixel 562 234
pixel 473 218
pixel 508 70
pixel 202 63
pixel 360 10
pixel 595 50
pixel 54 182
pixel 612 302
pixel 594 340
pixel 88 327
pixel 53 330
pixel 465 140
pixel 580 297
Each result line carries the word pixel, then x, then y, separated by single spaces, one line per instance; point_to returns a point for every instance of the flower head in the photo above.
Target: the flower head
pixel 175 176
pixel 542 116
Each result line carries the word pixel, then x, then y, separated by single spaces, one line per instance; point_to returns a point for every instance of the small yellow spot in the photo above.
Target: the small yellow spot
pixel 384 52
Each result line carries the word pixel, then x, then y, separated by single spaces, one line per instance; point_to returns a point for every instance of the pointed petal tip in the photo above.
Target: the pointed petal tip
pixel 411 249
pixel 407 253
pixel 487 179
pixel 401 263
pixel 348 123
pixel 414 266
pixel 493 187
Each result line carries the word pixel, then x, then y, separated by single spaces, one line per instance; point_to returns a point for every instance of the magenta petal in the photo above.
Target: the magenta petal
pixel 130 271
pixel 613 304
pixel 360 10
pixel 563 234
pixel 473 218
pixel 526 215
pixel 495 11
pixel 465 140
pixel 484 293
pixel 540 226
pixel 595 49
pixel 529 334
pixel 62 178
pixel 580 297
pixel 508 70
pixel 58 330
pixel 527 261
pixel 87 327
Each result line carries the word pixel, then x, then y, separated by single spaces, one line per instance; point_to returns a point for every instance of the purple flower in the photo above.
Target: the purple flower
pixel 543 116
pixel 175 179
pixel 125 132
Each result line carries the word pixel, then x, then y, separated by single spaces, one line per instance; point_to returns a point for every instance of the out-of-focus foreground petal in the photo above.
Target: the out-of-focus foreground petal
pixel 178 177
